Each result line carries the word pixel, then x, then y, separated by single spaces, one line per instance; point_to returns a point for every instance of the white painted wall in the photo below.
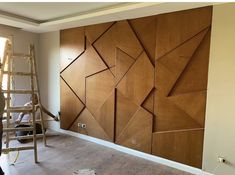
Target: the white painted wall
pixel 49 72
pixel 220 114
pixel 21 41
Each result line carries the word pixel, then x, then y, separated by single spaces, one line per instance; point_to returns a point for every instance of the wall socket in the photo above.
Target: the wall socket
pixel 221 159
pixel 82 125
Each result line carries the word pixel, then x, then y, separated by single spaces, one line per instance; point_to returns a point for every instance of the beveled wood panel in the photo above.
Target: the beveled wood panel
pixel 145 29
pixel 98 88
pixel 137 133
pixel 70 106
pixel 181 146
pixel 141 83
pixel 139 80
pixel 92 126
pixel 175 28
pixel 71 47
pixel 119 35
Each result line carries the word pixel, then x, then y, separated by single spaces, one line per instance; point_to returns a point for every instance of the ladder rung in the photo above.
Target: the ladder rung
pixel 19 109
pixel 18 129
pixel 7 150
pixel 26 137
pixel 19 91
pixel 19 73
pixel 20 55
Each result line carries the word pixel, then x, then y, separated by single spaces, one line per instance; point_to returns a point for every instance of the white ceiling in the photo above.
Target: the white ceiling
pixel 45 11
pixel 44 16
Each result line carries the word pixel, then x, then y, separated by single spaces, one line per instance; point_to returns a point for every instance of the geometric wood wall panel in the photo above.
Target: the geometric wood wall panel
pixel 140 83
pixel 71 47
pixel 71 106
pixel 137 132
pixel 121 36
pixel 181 146
pixel 146 35
pixel 173 29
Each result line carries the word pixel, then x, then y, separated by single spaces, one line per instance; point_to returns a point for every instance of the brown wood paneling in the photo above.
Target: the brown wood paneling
pixel 70 106
pixel 125 109
pixel 98 88
pixel 92 126
pixel 137 133
pixel 70 46
pixel 181 146
pixel 93 32
pixel 175 28
pixel 140 83
pixel 119 35
pixel 145 29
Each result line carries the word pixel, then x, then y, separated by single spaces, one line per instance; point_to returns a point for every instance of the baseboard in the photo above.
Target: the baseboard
pixel 146 156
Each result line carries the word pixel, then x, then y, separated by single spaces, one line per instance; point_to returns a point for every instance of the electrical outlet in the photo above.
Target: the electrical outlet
pixel 82 125
pixel 221 159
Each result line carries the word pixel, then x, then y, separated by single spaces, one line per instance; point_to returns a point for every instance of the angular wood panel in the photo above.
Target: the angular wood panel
pixel 140 83
pixel 139 80
pixel 71 106
pixel 71 47
pixel 181 146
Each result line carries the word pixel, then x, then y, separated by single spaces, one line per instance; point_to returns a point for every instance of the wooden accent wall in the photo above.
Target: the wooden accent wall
pixel 140 83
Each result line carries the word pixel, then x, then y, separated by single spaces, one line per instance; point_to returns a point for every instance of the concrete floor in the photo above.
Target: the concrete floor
pixel 65 155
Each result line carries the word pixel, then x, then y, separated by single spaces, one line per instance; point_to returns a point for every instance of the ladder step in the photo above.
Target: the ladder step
pixel 20 55
pixel 19 73
pixel 18 129
pixel 19 109
pixel 19 91
pixel 25 137
pixel 7 150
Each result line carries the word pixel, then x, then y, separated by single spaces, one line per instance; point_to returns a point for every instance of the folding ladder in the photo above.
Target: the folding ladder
pixel 6 69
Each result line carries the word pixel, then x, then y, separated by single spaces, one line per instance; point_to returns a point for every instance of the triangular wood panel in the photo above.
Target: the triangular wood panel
pixel 123 63
pixel 175 63
pixel 93 32
pixel 175 28
pixel 119 35
pixel 193 104
pixel 125 109
pixel 138 81
pixel 194 77
pixel 71 106
pixel 137 133
pixel 71 47
pixel 98 88
pixel 92 126
pixel 148 103
pixel 105 116
pixel 171 117
pixel 145 29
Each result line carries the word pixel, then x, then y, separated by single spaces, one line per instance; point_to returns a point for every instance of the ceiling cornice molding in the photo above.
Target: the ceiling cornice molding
pixel 113 13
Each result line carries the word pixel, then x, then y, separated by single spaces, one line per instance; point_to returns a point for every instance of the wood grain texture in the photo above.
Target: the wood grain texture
pixel 119 35
pixel 122 64
pixel 71 47
pixel 125 109
pixel 142 82
pixel 145 29
pixel 105 116
pixel 70 107
pixel 98 88
pixel 137 133
pixel 181 146
pixel 92 126
pixel 175 28
pixel 93 32
pixel 87 64
pixel 138 81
